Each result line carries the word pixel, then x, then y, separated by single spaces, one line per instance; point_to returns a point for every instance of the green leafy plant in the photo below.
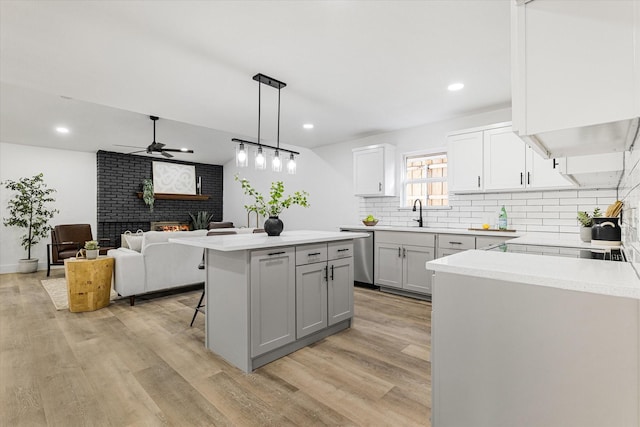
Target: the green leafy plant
pixel 200 221
pixel 91 245
pixel 27 209
pixel 147 193
pixel 585 219
pixel 277 201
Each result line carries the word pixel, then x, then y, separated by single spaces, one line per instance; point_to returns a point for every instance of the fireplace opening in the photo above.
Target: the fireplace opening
pixel 169 226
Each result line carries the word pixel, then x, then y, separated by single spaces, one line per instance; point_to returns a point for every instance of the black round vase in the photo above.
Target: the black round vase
pixel 273 226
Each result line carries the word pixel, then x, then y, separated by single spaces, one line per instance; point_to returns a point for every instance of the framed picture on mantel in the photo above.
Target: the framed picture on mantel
pixel 174 178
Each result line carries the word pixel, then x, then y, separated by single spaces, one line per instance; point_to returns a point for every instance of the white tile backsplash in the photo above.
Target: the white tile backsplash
pixel 536 211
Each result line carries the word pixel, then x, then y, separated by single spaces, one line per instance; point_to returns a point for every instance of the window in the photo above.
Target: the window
pixel 425 178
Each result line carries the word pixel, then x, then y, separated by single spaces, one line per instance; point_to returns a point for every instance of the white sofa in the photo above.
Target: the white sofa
pixel 159 265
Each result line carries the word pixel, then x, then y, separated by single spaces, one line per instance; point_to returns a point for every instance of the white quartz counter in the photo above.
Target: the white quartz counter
pixel 241 242
pixel 417 229
pixel 576 274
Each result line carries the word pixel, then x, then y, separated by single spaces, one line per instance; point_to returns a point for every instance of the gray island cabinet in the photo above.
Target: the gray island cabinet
pixel 269 296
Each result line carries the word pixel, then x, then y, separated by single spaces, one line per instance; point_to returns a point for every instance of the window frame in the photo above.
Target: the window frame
pixel 404 181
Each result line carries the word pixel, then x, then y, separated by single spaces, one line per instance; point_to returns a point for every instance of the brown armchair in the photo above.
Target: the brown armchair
pixel 66 240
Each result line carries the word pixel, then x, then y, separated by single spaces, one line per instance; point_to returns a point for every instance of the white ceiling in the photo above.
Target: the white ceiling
pixel 352 68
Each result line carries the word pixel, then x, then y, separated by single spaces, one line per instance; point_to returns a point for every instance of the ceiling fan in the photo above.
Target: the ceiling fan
pixel 158 147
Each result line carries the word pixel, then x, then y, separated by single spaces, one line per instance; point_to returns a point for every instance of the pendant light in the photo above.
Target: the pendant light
pixel 260 161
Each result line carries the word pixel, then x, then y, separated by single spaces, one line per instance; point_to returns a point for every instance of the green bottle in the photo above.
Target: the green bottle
pixel 502 219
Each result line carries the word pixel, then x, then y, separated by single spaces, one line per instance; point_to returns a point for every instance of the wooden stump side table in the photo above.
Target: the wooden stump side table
pixel 88 283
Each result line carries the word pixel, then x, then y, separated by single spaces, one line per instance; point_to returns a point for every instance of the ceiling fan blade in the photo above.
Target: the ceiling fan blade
pixel 178 150
pixel 130 146
pixel 136 152
pixel 167 155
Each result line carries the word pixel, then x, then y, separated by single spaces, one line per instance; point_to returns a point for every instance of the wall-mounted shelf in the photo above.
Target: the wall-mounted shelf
pixel 169 196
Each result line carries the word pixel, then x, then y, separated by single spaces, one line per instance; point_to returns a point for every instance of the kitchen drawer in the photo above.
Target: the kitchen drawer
pixel 339 250
pixel 417 238
pixel 446 252
pixel 456 241
pixel 307 254
pixel 484 241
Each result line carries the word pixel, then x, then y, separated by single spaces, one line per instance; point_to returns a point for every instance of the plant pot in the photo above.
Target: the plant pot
pixel 273 226
pixel 28 265
pixel 91 253
pixel 585 234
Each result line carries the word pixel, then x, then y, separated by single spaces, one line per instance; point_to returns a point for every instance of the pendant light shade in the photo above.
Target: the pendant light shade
pixel 260 161
pixel 276 162
pixel 242 157
pixel 291 165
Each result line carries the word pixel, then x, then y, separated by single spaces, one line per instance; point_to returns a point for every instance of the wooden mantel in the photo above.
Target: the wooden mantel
pixel 170 196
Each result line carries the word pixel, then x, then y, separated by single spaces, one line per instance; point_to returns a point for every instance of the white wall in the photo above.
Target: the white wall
pixel 327 174
pixel 71 173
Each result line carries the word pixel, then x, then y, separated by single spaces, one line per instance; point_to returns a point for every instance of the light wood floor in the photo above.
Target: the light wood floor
pixel 144 366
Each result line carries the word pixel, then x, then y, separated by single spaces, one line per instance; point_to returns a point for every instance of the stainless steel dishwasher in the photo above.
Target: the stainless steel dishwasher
pixel 362 258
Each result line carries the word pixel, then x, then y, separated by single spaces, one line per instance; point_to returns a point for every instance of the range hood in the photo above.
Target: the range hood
pixel 602 138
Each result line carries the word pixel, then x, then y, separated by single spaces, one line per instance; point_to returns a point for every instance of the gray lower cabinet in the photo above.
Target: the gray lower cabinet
pixel 400 259
pixel 324 290
pixel 273 299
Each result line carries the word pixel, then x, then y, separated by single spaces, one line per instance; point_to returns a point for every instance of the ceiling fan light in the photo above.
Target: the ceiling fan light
pixel 291 165
pixel 259 161
pixel 276 163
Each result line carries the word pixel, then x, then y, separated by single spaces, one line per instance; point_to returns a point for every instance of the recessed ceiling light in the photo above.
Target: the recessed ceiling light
pixel 308 125
pixel 62 129
pixel 455 86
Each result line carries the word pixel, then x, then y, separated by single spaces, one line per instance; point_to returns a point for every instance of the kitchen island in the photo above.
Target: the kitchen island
pixel 269 296
pixel 521 339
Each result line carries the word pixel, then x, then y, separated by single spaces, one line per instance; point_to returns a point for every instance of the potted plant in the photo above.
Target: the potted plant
pixel 147 193
pixel 28 210
pixel 586 221
pixel 91 249
pixel 200 221
pixel 274 206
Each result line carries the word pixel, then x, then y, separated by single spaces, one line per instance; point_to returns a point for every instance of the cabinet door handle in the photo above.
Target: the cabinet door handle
pixel 276 253
pixel 455 243
pixel 399 252
pixel 326 273
pixel 404 252
pixel 331 271
pixel 478 181
pixel 313 254
pixel 554 163
pixel 379 186
pixel 343 250
pixel 521 179
pixel 528 178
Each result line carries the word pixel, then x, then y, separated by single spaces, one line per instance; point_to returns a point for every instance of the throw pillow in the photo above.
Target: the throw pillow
pixel 134 241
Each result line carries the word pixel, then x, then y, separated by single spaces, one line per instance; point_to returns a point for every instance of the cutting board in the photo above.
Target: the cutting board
pixel 489 229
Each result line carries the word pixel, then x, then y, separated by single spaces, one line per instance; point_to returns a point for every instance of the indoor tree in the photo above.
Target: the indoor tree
pixel 28 210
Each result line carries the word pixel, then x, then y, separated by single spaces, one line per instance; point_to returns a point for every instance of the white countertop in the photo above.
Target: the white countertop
pixel 241 242
pixel 417 229
pixel 576 274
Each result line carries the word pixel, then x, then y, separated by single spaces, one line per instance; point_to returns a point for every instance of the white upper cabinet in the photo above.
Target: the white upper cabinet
pixel 496 159
pixel 576 75
pixel 504 160
pixel 464 153
pixel 374 170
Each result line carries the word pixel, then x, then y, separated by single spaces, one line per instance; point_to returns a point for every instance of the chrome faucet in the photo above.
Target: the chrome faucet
pixel 414 209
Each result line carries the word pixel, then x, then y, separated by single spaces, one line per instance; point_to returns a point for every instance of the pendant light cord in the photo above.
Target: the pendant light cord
pixel 278 137
pixel 259 103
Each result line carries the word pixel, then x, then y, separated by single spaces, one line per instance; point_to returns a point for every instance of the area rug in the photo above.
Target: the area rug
pixel 57 290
